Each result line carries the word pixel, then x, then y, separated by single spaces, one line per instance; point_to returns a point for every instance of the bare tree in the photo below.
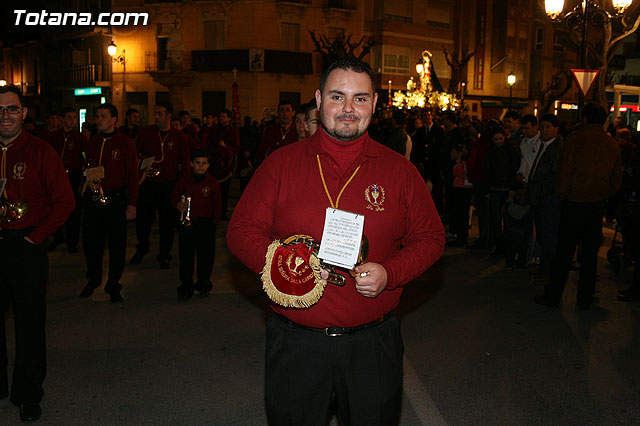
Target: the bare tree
pixel 339 47
pixel 457 66
pixel 561 82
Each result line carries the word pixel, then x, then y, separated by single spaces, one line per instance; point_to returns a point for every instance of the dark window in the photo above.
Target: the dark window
pixel 213 102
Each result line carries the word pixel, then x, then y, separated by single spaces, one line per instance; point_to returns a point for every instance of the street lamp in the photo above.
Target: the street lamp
pixel 112 49
pixel 3 82
pixel 584 13
pixel 511 80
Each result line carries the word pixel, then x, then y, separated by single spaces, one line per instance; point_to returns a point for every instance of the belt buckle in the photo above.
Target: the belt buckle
pixel 327 333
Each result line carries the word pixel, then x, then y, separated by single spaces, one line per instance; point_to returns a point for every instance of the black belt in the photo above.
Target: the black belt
pixel 337 331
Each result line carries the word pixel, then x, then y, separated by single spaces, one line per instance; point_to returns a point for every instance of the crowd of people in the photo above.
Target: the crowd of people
pixel 539 187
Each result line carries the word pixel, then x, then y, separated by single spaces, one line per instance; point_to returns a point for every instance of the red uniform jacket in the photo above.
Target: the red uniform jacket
pixel 119 160
pixel 69 146
pixel 275 137
pixel 175 148
pixel 286 196
pixel 205 196
pixel 35 173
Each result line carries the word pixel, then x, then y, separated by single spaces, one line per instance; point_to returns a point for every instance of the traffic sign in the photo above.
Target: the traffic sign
pixel 585 79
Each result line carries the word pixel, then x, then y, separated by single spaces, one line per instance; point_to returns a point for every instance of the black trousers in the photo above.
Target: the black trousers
pixel 105 225
pixel 156 196
pixel 461 200
pixel 70 231
pixel 197 242
pixel 23 276
pixel 579 222
pixel 305 371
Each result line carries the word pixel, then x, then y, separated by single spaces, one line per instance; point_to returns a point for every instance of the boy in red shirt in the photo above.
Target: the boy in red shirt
pixel 198 238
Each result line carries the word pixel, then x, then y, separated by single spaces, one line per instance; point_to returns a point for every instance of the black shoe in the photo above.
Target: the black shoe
pixel 87 291
pixel 184 292
pixel 164 264
pixel 203 288
pixel 30 412
pixel 545 301
pixel 137 257
pixel 115 297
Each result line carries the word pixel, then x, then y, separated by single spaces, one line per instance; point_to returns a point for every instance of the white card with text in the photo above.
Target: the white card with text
pixel 341 238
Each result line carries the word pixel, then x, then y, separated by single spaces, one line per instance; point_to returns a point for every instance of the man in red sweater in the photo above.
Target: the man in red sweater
pixel 278 135
pixel 198 239
pixel 115 153
pixel 31 172
pixel 170 149
pixel 348 344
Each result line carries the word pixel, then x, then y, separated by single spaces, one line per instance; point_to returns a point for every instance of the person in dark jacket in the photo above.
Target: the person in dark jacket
pixel 501 166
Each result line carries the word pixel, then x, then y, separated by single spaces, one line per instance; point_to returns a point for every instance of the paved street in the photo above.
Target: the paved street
pixel 478 351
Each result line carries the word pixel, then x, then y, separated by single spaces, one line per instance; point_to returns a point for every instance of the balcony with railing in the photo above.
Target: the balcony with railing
pixel 86 75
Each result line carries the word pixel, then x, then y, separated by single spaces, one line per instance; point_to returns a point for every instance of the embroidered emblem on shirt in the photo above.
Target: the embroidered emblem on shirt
pixel 115 154
pixel 374 194
pixel 18 170
pixel 205 192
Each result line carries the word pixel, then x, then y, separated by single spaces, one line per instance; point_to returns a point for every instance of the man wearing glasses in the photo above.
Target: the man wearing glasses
pixel 36 200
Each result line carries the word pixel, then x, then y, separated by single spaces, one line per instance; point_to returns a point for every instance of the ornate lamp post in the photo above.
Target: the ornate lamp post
pixel 121 59
pixel 610 16
pixel 511 80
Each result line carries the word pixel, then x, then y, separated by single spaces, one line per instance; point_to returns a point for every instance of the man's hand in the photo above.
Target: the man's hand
pixel 181 206
pixel 372 279
pixel 29 240
pixel 92 185
pixel 131 212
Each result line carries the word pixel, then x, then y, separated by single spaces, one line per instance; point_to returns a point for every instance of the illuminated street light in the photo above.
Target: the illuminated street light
pixel 511 80
pixel 112 49
pixel 3 82
pixel 613 22
pixel 554 7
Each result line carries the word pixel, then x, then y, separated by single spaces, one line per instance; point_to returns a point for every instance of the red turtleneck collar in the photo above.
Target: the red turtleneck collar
pixel 344 153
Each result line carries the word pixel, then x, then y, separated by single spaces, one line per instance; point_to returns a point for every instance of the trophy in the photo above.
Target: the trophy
pixel 185 216
pixel 92 174
pixel 12 211
pixel 335 277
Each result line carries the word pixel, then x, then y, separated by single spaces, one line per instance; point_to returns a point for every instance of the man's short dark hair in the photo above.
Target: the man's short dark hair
pixel 226 111
pixel 53 114
pixel 184 112
pixel 513 115
pixel 175 119
pixel 594 113
pixel 529 118
pixel 113 111
pixel 310 106
pixel 14 90
pixel 199 153
pixel 131 111
pixel 167 106
pixel 67 110
pixel 286 103
pixel 349 63
pixel 196 121
pixel 498 130
pixel 551 119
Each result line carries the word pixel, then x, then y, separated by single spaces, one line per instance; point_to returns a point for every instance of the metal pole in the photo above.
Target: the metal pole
pixel 585 49
pixel 510 95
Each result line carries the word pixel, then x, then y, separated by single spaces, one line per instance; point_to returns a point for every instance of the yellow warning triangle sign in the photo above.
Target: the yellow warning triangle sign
pixel 585 79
